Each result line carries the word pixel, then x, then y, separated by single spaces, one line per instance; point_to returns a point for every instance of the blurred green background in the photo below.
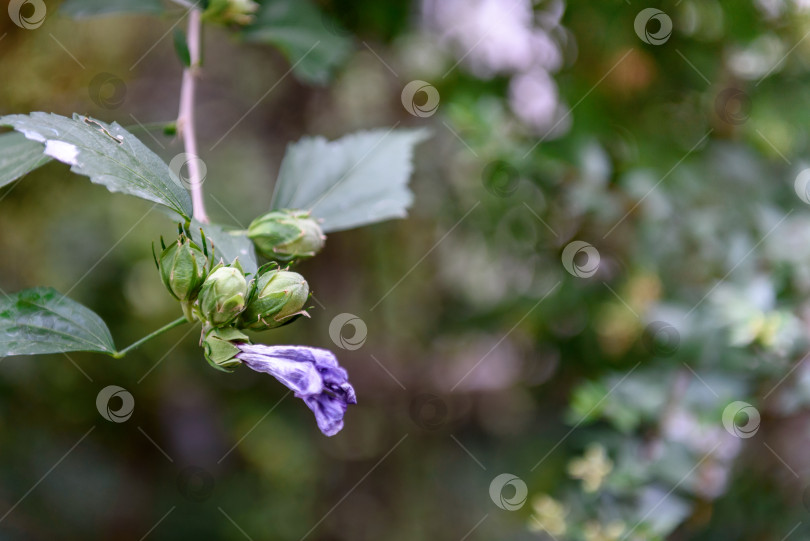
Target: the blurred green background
pixel 679 160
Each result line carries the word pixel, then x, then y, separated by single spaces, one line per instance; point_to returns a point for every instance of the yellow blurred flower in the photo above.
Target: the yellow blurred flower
pixel 591 468
pixel 549 515
pixel 594 531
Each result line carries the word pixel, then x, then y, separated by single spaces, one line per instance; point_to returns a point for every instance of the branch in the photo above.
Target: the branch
pixel 186 128
pixel 167 327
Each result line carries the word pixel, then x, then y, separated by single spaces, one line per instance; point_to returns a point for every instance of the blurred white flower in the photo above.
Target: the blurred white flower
pixel 749 313
pixel 592 468
pixel 595 531
pixel 701 438
pixel 762 57
pixel 483 275
pixel 711 478
pixel 549 515
pixel 771 8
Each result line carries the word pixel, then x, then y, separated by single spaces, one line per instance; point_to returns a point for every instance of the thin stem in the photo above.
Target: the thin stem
pixel 186 128
pixel 176 323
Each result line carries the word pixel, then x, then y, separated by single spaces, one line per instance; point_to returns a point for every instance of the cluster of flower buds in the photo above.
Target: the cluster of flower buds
pixel 221 296
pixel 227 302
pixel 285 235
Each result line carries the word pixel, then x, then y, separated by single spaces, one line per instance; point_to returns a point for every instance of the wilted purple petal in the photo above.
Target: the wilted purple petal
pixel 302 377
pixel 329 411
pixel 312 373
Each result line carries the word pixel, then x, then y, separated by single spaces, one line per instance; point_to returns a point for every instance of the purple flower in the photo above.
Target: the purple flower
pixel 313 374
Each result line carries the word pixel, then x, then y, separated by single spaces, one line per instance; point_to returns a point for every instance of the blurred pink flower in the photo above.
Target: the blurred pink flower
pixel 533 98
pixel 493 36
pixel 507 37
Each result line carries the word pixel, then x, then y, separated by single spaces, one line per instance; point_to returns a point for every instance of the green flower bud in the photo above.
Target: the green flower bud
pixel 221 349
pixel 182 268
pixel 284 235
pixel 222 296
pixel 278 297
pixel 231 11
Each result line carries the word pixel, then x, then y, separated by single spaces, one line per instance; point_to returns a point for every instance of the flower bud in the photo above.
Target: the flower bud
pixel 222 296
pixel 278 297
pixel 284 235
pixel 182 268
pixel 220 347
pixel 239 12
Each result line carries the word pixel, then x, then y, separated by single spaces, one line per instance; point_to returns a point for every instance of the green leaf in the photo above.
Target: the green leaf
pixel 181 47
pixel 42 320
pixel 79 9
pixel 106 153
pixel 228 244
pixel 298 29
pixel 18 156
pixel 356 180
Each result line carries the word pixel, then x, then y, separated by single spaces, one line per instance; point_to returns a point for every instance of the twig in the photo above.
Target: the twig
pixel 186 128
pixel 176 323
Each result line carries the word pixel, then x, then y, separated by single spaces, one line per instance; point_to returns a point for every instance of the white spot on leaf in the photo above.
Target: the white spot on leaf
pixel 32 135
pixel 64 152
